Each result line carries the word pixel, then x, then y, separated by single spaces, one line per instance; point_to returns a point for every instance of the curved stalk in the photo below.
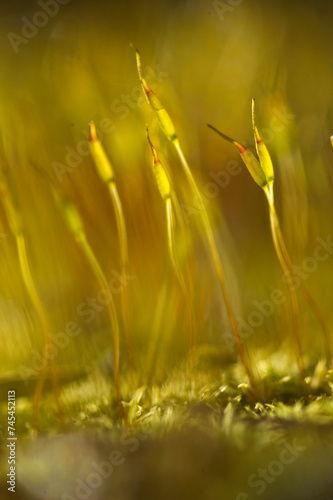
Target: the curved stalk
pixel 216 259
pixel 11 204
pixel 107 176
pixel 309 299
pixel 292 293
pixel 180 278
pixel 166 192
pixel 35 300
pixel 123 245
pixel 155 341
pixel 111 310
pixel 75 225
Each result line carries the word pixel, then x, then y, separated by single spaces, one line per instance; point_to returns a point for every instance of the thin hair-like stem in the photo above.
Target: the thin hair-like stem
pixel 107 175
pixel 155 340
pixel 166 191
pixel 180 278
pixel 111 310
pixel 123 245
pixel 216 259
pixel 292 292
pixel 309 299
pixel 35 300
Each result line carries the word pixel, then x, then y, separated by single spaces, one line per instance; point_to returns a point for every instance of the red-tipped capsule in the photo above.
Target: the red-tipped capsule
pixel 263 154
pixel 251 162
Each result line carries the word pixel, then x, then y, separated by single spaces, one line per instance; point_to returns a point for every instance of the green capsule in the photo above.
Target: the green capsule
pixel 251 162
pixel 254 167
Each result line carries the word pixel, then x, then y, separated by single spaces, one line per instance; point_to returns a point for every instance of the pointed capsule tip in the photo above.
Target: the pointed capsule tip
pixel 138 63
pixel 253 110
pixel 242 149
pixel 92 132
pixel 257 137
pixel 153 150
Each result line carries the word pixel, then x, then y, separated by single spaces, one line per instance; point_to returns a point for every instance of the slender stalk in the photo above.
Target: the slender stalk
pixel 123 245
pixel 292 293
pixel 180 278
pixel 34 297
pixel 155 341
pixel 91 258
pixel 11 204
pixel 262 172
pixel 76 227
pixel 165 189
pixel 309 299
pixel 216 258
pixel 107 176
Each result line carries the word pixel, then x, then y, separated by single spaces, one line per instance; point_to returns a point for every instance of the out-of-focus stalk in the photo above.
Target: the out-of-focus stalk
pixel 12 209
pixel 274 224
pixel 309 299
pixel 75 225
pixel 164 187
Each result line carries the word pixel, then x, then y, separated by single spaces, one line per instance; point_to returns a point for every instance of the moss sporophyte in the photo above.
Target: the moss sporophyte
pixel 165 190
pixel 107 176
pixel 262 172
